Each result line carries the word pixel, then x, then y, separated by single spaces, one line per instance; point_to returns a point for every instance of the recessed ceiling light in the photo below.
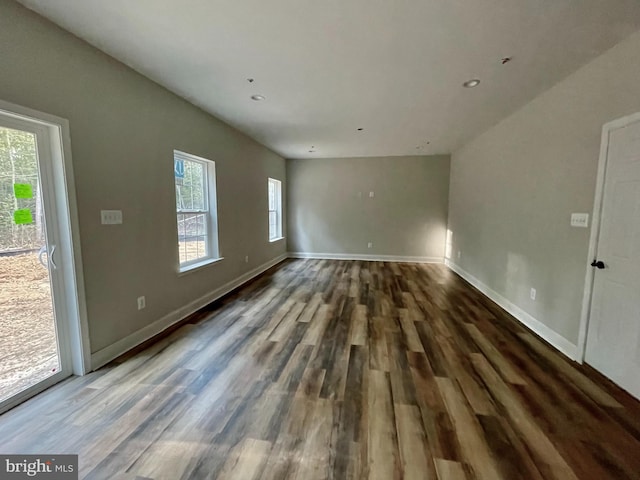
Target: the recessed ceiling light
pixel 471 83
pixel 257 98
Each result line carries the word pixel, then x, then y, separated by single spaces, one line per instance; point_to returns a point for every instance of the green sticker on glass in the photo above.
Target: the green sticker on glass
pixel 23 190
pixel 22 217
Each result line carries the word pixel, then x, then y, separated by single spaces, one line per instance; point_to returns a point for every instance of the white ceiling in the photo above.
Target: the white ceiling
pixel 328 67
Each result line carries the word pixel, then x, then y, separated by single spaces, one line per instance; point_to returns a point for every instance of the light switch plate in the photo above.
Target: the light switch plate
pixel 580 220
pixel 111 217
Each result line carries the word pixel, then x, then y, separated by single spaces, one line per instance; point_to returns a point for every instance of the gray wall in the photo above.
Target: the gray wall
pixel 514 188
pixel 330 210
pixel 123 131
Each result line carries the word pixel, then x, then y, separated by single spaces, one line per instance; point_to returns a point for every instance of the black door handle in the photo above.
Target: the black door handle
pixel 598 264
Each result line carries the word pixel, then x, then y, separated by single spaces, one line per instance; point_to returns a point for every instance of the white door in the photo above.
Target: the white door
pixel 38 294
pixel 613 339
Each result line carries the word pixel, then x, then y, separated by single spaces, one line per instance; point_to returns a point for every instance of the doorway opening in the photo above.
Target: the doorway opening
pixel 43 335
pixel 28 336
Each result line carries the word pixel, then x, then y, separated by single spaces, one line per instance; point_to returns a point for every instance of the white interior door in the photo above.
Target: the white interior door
pixel 613 339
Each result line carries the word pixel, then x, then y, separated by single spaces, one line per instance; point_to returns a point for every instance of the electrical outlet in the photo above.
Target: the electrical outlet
pixel 458 254
pixel 372 194
pixel 533 294
pixel 141 303
pixel 370 244
pixel 246 259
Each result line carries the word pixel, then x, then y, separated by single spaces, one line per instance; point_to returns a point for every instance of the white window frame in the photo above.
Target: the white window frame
pixel 210 211
pixel 277 235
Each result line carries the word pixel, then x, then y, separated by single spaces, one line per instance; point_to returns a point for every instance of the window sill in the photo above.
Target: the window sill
pixel 271 240
pixel 197 266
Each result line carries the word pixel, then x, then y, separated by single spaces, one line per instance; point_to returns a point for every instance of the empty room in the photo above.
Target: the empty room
pixel 320 240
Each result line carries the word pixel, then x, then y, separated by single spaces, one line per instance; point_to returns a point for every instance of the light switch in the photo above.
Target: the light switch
pixel 580 220
pixel 372 194
pixel 111 217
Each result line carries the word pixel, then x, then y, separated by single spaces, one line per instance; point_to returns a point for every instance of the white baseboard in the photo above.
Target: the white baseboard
pixel 555 339
pixel 367 258
pixel 104 356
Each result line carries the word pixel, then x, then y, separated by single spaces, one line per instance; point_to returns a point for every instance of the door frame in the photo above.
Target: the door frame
pixel 75 323
pixel 596 221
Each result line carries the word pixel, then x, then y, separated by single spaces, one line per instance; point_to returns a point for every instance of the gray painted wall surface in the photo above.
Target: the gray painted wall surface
pixel 124 128
pixel 330 210
pixel 513 189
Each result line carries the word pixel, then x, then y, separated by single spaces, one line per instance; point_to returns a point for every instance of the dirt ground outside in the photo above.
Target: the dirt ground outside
pixel 28 347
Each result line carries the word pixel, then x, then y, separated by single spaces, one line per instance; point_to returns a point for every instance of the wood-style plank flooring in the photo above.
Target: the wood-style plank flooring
pixel 345 370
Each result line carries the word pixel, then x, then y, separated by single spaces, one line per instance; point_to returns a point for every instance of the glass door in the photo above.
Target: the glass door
pixel 32 347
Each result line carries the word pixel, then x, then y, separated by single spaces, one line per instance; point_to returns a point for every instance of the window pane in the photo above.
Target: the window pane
pixel 190 190
pixel 272 196
pixel 192 231
pixel 181 235
pixel 201 246
pixel 273 224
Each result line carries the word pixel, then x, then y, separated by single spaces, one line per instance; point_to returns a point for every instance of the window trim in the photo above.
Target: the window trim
pixel 198 265
pixel 278 200
pixel 211 213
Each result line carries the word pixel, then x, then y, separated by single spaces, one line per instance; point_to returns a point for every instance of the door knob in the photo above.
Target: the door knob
pixel 598 264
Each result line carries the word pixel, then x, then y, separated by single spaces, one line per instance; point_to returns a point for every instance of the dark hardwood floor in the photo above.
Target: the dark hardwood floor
pixel 335 369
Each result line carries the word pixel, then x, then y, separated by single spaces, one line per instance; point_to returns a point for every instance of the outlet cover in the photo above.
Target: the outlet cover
pixel 141 303
pixel 580 220
pixel 111 217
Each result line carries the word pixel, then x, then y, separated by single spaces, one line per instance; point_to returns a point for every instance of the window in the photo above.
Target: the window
pixel 275 209
pixel 195 180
